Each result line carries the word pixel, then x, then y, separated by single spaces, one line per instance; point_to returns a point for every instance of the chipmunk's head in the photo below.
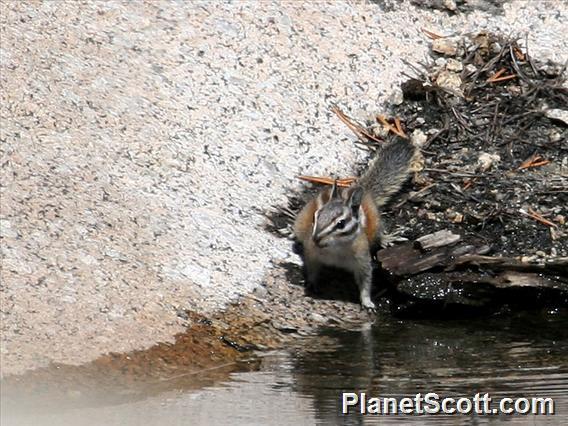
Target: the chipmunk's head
pixel 337 219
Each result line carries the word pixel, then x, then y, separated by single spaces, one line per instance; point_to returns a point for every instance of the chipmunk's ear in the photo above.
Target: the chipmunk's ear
pixel 327 195
pixel 334 191
pixel 355 199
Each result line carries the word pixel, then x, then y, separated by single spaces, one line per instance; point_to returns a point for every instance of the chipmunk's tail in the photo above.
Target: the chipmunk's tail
pixel 388 170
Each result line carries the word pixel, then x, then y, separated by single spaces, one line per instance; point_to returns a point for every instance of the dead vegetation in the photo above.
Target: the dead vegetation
pixel 491 123
pixel 495 157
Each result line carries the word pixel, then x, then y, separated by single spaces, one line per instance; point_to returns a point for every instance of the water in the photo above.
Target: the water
pixel 506 356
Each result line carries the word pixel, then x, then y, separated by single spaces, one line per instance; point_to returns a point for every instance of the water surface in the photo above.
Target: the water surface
pixel 515 355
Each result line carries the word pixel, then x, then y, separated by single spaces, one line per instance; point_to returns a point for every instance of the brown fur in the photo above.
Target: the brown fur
pixel 304 221
pixel 373 218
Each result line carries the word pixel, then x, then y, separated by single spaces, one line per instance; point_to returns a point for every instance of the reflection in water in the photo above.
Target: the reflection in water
pixel 513 356
pixel 505 357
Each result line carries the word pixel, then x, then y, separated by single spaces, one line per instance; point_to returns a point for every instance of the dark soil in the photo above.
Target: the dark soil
pixel 505 122
pixel 495 164
pixel 505 119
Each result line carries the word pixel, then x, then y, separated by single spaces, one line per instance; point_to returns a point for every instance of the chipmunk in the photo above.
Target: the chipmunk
pixel 339 227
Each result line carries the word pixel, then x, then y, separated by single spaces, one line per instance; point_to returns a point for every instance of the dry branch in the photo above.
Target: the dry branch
pixel 355 128
pixel 343 183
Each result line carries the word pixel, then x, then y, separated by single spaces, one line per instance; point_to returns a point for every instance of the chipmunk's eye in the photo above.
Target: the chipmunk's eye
pixel 341 224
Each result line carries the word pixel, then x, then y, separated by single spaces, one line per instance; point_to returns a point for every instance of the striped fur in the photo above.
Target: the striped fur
pixel 338 227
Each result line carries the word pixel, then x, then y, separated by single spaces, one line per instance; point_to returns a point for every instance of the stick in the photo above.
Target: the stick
pixel 496 75
pixel 343 183
pixel 355 128
pixel 533 161
pixel 391 128
pixel 432 35
pixel 504 78
pixel 534 215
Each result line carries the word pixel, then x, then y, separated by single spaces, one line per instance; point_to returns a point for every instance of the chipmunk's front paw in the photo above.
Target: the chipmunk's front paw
pixel 369 306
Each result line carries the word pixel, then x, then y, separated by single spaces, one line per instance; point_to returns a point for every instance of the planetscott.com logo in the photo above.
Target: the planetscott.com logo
pixel 432 403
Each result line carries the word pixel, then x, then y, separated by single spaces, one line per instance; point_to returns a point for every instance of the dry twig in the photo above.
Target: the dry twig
pixel 498 76
pixel 396 129
pixel 432 35
pixel 355 128
pixel 538 217
pixel 504 78
pixel 533 161
pixel 342 183
pixel 469 183
pixel 519 54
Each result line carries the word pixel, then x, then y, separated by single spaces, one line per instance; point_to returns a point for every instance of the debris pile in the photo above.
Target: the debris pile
pixel 491 125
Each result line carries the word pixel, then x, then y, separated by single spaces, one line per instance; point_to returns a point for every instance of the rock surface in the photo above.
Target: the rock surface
pixel 142 144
